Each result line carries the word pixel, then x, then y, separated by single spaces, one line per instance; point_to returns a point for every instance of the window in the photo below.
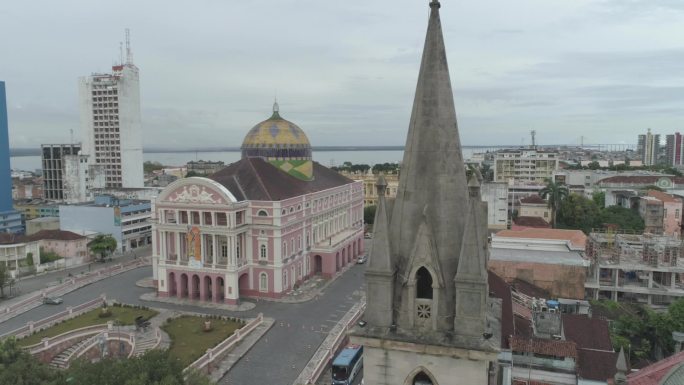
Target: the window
pixel 284 212
pixel 263 282
pixel 293 245
pixel 262 213
pixel 677 213
pixel 285 249
pixel 291 209
pixel 423 284
pixel 262 252
pixel 422 379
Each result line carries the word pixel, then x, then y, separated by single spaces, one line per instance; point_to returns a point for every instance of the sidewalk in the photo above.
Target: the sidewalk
pixel 240 350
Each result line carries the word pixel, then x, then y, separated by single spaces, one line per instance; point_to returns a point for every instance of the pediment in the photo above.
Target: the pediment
pixel 196 191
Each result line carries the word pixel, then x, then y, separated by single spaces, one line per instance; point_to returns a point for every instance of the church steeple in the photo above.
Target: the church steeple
pixel 380 271
pixel 433 180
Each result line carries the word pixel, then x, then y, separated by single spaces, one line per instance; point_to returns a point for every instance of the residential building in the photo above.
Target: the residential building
pixel 16 253
pixel 674 147
pixel 110 123
pixel 128 221
pixel 259 227
pixel 668 371
pixel 648 148
pixel 10 219
pixel 36 208
pixel 671 219
pixel 67 174
pixel 524 222
pixel 651 210
pixel 516 192
pixel 535 206
pixel 27 188
pixel 551 259
pixel 586 182
pixel 429 315
pixel 642 268
pixel 369 180
pixel 68 245
pixel 204 167
pixel 39 224
pixel 496 196
pixel 52 160
pixel 524 166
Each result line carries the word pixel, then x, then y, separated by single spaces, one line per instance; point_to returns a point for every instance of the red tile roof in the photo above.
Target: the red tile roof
pixel 523 327
pixel 533 199
pixel 661 196
pixel 59 235
pixel 256 179
pixel 529 289
pixel 597 365
pixel 640 179
pixel 531 222
pixel 653 374
pixel 587 333
pixel 9 238
pixel 556 348
pixel 500 289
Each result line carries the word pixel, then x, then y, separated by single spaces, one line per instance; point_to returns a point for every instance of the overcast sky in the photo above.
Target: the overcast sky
pixel 345 71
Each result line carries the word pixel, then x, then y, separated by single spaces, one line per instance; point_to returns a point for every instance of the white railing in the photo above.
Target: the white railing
pixel 46 322
pixel 50 342
pixel 226 345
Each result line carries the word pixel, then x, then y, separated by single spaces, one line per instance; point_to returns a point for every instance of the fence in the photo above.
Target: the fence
pixel 70 312
pixel 337 342
pixel 49 342
pixel 219 350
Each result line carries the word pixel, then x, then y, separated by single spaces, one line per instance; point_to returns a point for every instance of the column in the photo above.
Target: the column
pixel 191 286
pixel 179 287
pixel 177 251
pixel 673 280
pixel 215 254
pixel 650 282
pixel 202 289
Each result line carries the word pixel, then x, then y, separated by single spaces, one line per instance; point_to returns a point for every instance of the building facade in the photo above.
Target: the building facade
pixel 370 195
pixel 496 196
pixel 535 206
pixel 524 166
pixel 52 160
pixel 648 148
pixel 674 146
pixel 260 226
pixel 204 167
pixel 110 124
pixel 429 317
pixel 127 220
pixel 10 219
pixel 15 251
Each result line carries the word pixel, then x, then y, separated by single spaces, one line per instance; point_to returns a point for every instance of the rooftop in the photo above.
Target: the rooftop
pixel 655 373
pixel 572 258
pixel 576 237
pixel 596 365
pixel 544 346
pixel 533 199
pixel 664 197
pixel 531 222
pixel 586 332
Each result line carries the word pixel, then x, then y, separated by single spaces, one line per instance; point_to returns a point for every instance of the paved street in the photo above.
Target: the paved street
pixel 276 359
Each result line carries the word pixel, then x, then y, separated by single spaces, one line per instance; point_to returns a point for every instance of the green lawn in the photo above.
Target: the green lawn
pixel 125 315
pixel 189 341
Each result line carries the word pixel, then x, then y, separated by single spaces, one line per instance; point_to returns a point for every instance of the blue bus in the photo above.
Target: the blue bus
pixel 347 365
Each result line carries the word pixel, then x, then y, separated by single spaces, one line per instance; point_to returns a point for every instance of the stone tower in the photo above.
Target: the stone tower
pixel 428 316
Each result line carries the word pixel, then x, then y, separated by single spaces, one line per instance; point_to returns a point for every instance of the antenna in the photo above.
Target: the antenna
pixel 71 133
pixel 129 53
pixel 121 61
pixel 533 133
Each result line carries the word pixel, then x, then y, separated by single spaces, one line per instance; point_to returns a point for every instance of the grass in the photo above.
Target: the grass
pixel 125 316
pixel 189 341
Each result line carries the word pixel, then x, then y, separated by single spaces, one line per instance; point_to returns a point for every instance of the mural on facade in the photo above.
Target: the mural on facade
pixel 194 194
pixel 194 244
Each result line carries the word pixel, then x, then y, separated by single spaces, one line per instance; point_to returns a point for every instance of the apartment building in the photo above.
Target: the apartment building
pixel 648 147
pixel 523 166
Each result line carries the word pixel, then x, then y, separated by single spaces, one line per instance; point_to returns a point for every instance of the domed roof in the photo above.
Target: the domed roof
pixel 276 138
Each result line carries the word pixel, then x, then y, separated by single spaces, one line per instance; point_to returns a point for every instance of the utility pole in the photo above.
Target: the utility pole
pixel 533 133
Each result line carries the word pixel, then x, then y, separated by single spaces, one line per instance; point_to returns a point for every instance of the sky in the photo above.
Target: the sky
pixel 345 71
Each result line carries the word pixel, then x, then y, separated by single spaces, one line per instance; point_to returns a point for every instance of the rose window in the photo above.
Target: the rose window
pixel 424 311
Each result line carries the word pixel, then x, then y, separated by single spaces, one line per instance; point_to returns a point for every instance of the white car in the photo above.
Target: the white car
pixel 362 259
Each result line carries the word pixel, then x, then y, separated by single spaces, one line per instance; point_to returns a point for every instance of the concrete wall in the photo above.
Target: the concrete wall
pixel 39 224
pixel 496 196
pixel 80 219
pixel 531 210
pixel 130 129
pixel 560 280
pixel 398 367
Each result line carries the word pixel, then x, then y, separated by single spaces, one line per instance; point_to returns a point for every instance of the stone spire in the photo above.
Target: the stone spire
pixel 433 180
pixel 380 271
pixel 470 282
pixel 621 366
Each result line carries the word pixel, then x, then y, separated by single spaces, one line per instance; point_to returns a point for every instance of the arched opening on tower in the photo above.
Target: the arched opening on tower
pixel 423 284
pixel 422 379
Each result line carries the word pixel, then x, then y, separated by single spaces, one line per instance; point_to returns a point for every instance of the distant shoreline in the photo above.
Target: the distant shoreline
pixel 36 151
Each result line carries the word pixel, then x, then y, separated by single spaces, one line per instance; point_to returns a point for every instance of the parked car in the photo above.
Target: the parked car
pixel 362 259
pixel 52 300
pixel 368 236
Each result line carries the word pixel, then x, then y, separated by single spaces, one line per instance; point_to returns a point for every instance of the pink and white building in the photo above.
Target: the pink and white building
pixel 259 227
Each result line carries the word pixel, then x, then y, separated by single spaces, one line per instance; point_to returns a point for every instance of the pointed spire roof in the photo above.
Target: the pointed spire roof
pixel 432 171
pixel 471 265
pixel 621 366
pixel 380 257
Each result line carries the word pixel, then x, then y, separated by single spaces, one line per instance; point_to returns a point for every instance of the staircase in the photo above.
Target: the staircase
pixel 61 361
pixel 144 341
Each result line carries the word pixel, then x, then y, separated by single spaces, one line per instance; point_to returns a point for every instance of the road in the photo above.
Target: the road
pixel 276 359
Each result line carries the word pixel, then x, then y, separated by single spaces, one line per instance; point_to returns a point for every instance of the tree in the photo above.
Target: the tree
pixel 599 197
pixel 623 218
pixel 369 214
pixel 653 187
pixel 18 367
pixel 4 278
pixel 102 245
pixel 192 173
pixel 554 193
pixel 578 212
pixel 593 165
pixel 148 166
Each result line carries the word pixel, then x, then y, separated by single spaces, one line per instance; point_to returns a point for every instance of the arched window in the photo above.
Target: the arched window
pixel 299 207
pixel 291 209
pixel 423 284
pixel 262 213
pixel 283 212
pixel 262 252
pixel 285 249
pixel 422 379
pixel 263 282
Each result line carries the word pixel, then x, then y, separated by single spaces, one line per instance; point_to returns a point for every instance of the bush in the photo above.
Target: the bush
pixel 48 256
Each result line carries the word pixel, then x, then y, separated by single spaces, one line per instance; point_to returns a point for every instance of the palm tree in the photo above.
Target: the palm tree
pixel 102 245
pixel 554 193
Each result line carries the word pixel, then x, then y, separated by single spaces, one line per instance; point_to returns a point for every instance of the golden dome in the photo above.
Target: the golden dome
pixel 276 138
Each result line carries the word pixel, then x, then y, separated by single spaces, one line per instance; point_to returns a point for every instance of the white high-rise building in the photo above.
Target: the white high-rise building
pixel 110 123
